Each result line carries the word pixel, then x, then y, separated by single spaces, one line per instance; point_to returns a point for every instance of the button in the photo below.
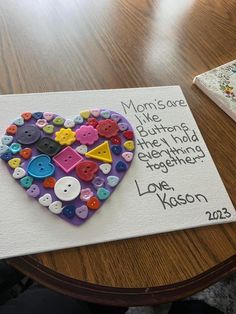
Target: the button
pixel 56 207
pixel 86 134
pixel 41 123
pixel 26 115
pixel 45 200
pixel 28 134
pixel 15 148
pixel 26 153
pixel 26 182
pixel 129 135
pixel 67 159
pixel 86 170
pixel 19 121
pixel 40 167
pixel 95 112
pixel 11 130
pixel 82 149
pixel 107 128
pixel 58 121
pixel 98 182
pixel 85 114
pixel 129 145
pixel 67 188
pixel 105 168
pixel 18 173
pixel 128 156
pixel 69 123
pixel 112 181
pixel 116 117
pixel 82 212
pixel 105 114
pixel 116 140
pixel 3 148
pixel 121 166
pixel 123 126
pixel 86 194
pixel 7 139
pixel 93 203
pixel 49 183
pixel 65 136
pixel 69 211
pixel 103 194
pixel 37 115
pixel 48 146
pixel 14 162
pixel 92 121
pixel 48 129
pixel 101 152
pixel 48 115
pixel 33 191
pixel 78 119
pixel 116 149
pixel 6 156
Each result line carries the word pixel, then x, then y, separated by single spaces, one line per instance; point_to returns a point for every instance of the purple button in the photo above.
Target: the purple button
pixel 33 191
pixel 28 134
pixel 98 182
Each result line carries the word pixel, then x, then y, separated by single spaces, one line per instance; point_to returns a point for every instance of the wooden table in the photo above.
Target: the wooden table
pixel 75 45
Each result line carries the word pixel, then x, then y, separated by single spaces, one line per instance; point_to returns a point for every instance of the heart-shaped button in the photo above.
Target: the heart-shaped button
pixel 82 212
pixel 69 165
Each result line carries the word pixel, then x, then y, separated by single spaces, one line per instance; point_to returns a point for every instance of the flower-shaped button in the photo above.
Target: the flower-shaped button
pixel 65 136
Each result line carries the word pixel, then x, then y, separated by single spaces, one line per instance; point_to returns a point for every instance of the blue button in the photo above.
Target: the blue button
pixel 15 148
pixel 116 149
pixel 121 166
pixel 28 134
pixel 7 156
pixel 69 211
pixel 40 167
pixel 37 115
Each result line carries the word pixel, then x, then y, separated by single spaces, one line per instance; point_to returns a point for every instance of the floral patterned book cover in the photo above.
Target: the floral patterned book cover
pixel 220 85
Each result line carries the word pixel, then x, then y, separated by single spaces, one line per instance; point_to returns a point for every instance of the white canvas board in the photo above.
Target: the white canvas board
pixel 172 184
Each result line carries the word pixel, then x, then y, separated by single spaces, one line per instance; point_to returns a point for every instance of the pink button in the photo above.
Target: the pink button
pixel 67 159
pixel 86 134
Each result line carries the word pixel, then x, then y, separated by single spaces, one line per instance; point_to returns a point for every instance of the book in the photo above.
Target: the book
pixel 219 85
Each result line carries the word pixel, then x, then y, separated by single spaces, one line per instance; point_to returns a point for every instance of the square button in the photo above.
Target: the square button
pixel 67 159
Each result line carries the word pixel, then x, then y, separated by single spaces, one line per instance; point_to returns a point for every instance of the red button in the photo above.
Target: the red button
pixel 26 153
pixel 11 130
pixel 26 115
pixel 92 121
pixel 86 170
pixel 128 134
pixel 107 128
pixel 49 182
pixel 93 203
pixel 116 140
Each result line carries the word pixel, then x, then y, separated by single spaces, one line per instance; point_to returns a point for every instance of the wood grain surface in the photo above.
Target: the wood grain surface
pixel 75 45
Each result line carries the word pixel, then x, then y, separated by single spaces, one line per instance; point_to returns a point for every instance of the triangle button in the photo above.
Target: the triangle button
pixel 101 152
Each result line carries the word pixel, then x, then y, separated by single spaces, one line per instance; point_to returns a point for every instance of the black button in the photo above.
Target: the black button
pixel 48 146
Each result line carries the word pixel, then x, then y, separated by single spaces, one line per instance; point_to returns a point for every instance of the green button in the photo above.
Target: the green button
pixel 48 129
pixel 58 121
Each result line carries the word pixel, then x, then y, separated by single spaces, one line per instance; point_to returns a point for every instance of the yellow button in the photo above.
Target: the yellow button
pixel 14 162
pixel 85 114
pixel 101 152
pixel 129 145
pixel 65 136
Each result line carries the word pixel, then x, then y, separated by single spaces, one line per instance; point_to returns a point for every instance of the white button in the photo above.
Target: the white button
pixel 45 200
pixel 18 173
pixel 67 188
pixel 105 168
pixel 56 207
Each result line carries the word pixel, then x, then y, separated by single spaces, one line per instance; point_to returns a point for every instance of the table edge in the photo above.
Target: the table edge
pixel 121 296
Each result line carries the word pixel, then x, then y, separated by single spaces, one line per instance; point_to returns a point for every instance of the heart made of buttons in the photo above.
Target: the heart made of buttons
pixel 71 166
